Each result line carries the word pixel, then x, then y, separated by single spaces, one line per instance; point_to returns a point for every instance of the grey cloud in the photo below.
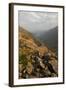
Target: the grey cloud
pixel 36 21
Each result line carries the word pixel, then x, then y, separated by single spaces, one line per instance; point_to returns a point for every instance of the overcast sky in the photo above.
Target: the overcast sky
pixel 36 21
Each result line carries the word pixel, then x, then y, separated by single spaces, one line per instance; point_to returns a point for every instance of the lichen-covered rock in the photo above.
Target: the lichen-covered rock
pixel 20 67
pixel 29 68
pixel 54 63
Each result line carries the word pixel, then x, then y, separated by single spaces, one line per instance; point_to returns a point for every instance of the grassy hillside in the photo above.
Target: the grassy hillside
pixel 30 49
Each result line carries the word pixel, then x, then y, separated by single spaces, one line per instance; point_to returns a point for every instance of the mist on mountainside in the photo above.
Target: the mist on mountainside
pixel 49 38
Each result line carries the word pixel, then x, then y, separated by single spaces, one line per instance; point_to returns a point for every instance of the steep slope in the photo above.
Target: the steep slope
pixel 25 35
pixel 29 43
pixel 30 56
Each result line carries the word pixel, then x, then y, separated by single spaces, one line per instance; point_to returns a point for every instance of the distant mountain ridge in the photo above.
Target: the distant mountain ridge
pixel 50 37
